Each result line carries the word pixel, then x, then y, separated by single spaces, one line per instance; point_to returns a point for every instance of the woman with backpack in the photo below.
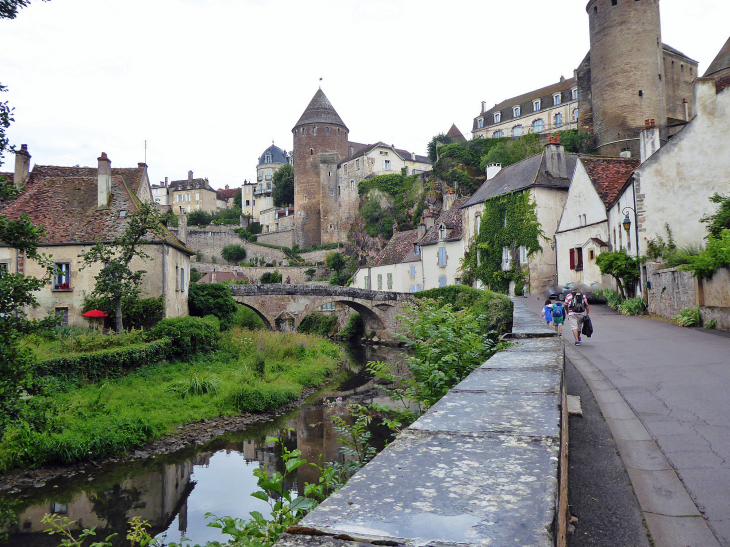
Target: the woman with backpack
pixel 577 306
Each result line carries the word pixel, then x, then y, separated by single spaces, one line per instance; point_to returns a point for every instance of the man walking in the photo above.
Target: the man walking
pixel 577 306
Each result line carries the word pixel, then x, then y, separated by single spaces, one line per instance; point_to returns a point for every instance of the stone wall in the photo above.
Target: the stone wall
pixel 295 273
pixel 282 238
pixel 316 256
pixel 486 465
pixel 210 240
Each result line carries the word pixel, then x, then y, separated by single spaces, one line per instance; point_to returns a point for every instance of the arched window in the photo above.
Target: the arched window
pixel 517 131
pixel 311 151
pixel 302 131
pixel 498 134
pixel 314 131
pixel 538 126
pixel 558 119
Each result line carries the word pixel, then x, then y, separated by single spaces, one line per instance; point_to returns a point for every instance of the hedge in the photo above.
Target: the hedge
pixel 108 363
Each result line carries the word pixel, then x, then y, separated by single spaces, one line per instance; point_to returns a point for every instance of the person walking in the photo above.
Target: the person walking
pixel 547 313
pixel 577 306
pixel 558 317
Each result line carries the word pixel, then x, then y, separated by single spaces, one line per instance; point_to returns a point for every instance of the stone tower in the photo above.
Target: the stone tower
pixel 320 142
pixel 626 71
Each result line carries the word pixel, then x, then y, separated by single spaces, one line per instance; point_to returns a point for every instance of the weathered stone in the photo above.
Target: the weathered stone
pixel 526 360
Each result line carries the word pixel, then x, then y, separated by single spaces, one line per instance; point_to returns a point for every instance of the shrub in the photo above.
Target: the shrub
pixel 136 312
pixel 632 306
pixel 689 317
pixel 246 318
pixel 260 397
pixel 716 255
pixel 318 323
pixel 188 335
pixel 212 299
pixel 199 218
pixel 196 385
pixel 613 299
pixel 309 272
pixel 233 252
pixel 271 277
pixel 355 327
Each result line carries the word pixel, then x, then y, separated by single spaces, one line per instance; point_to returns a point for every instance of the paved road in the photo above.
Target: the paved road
pixel 676 382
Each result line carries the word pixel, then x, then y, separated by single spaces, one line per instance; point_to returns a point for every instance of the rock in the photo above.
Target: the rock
pixel 376 339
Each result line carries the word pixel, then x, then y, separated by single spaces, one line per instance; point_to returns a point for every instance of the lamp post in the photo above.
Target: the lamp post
pixel 626 223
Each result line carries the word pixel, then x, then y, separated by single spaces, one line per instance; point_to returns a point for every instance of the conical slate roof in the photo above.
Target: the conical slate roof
pixel 320 110
pixel 721 62
pixel 455 134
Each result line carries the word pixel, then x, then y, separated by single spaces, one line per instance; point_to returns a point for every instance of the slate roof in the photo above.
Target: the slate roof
pixel 320 110
pixel 528 173
pixel 608 175
pixel 199 184
pixel 721 61
pixel 597 241
pixel 399 249
pixel 63 201
pixel 455 134
pixel 452 221
pixel 404 154
pixel 277 155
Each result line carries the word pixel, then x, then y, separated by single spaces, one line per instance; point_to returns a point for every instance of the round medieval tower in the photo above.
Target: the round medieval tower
pixel 626 72
pixel 320 142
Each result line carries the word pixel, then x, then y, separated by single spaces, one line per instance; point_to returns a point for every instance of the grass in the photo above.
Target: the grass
pixel 251 371
pixel 67 340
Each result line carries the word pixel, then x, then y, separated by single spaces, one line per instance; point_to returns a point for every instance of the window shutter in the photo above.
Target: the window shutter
pixel 572 259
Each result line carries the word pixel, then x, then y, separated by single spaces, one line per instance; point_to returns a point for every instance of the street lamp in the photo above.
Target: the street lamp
pixel 626 223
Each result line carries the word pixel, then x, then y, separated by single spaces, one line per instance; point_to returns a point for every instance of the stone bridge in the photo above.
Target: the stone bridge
pixel 282 307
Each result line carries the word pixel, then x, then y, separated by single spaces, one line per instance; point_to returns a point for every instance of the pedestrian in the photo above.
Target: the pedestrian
pixel 577 306
pixel 547 313
pixel 558 317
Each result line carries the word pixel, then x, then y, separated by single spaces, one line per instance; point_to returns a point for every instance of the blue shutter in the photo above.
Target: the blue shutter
pixel 413 272
pixel 442 281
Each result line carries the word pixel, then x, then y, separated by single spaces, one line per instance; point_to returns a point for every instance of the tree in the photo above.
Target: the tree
pixel 622 267
pixel 237 199
pixel 433 145
pixel 199 218
pixel 284 186
pixel 117 279
pixel 233 252
pixel 9 8
pixel 335 261
pixel 212 299
pixel 721 219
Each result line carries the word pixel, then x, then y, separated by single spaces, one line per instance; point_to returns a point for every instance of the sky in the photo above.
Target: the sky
pixel 208 84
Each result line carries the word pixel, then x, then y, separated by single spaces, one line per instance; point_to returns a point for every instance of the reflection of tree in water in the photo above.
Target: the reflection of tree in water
pixel 113 506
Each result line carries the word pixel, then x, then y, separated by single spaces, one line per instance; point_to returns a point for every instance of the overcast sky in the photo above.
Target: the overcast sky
pixel 210 83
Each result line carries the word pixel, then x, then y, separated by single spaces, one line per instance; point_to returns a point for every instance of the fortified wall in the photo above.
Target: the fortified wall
pixel 486 465
pixel 210 240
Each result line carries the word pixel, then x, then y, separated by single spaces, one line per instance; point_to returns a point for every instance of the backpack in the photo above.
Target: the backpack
pixel 558 310
pixel 577 304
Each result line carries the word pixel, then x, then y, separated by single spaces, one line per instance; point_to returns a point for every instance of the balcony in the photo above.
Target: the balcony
pixel 262 189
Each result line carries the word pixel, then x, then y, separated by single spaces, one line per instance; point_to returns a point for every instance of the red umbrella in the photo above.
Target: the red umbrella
pixel 95 313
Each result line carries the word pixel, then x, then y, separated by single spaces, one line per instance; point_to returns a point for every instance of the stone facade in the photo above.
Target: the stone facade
pixel 295 273
pixel 284 238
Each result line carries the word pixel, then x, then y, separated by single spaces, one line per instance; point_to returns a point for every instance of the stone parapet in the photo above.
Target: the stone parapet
pixel 486 465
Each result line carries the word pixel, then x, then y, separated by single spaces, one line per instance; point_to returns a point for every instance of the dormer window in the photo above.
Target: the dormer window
pixel 480 123
pixel 267 158
pixel 497 117
pixel 516 111
pixel 536 105
pixel 557 98
pixel 416 251
pixel 442 232
pixel 574 93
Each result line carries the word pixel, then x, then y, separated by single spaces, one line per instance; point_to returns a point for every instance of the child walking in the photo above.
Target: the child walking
pixel 558 317
pixel 547 313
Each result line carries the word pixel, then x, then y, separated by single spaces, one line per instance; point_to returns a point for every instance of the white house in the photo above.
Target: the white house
pixel 442 246
pixel 397 268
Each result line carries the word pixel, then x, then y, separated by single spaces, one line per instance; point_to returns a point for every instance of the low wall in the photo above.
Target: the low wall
pixel 283 238
pixel 210 240
pixel 487 465
pixel 317 256
pixel 295 273
pixel 673 290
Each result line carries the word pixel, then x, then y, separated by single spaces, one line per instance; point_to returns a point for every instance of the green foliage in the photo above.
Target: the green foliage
pixel 188 335
pixel 335 262
pixel 237 199
pixel 137 312
pixel 460 153
pixel 61 526
pixel 621 266
pixel 689 317
pixel 246 234
pixel 233 213
pixel 246 318
pixel 632 306
pixel 199 218
pixel 283 183
pixel 212 299
pixel 388 184
pixel 719 221
pixel 715 256
pixel 318 323
pixel 372 214
pixel 68 340
pixel 323 247
pixel 233 252
pixel 507 221
pixel 613 299
pixel 260 397
pixel 225 221
pixel 340 279
pixel 577 142
pixel 169 219
pixel 510 151
pixel 355 439
pixel 309 272
pixel 196 385
pixel 271 277
pixel 354 328
pixel 195 276
pixel 406 194
pixel 432 145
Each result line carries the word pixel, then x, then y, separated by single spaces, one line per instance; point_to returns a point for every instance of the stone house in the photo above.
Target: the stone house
pixel 258 195
pixel 186 196
pixel 78 206
pixel 546 177
pixel 276 219
pixel 583 230
pixel 396 268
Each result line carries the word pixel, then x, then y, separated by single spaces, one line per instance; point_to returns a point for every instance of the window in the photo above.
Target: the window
pixel 63 314
pixel 413 273
pixel 498 134
pixel 571 253
pixel 311 151
pixel 442 281
pixel 268 174
pixel 197 207
pixel 538 126
pixel 248 203
pixel 497 117
pixel 515 111
pixel 197 196
pixel 575 115
pixel 480 123
pixel 329 306
pixel 267 158
pixel 326 130
pixel 591 254
pixel 578 258
pixel 332 191
pixel 390 281
pixel 302 131
pixel 188 208
pixel 247 190
pixel 442 232
pixel 523 255
pixel 261 174
pixel 380 282
pixel 413 288
pixel 367 282
pixel 352 185
pixel 268 199
pixel 338 130
pixel 386 165
pixel 62 277
pixel 517 131
pixel 314 131
pixel 506 259
pixel 536 105
pixel 182 279
pixel 614 2
pixel 418 288
pixel 416 249
pixel 557 98
pixel 442 257
pixel 574 93
pixel 558 119
pixel 477 224
pixel 357 164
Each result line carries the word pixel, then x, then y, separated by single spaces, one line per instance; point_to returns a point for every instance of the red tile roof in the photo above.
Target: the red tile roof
pixel 397 249
pixel 609 175
pixel 227 194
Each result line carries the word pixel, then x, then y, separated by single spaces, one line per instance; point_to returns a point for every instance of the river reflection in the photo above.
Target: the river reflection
pixel 174 492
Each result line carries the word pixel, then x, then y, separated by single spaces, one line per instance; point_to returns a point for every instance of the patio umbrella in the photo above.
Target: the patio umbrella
pixel 95 313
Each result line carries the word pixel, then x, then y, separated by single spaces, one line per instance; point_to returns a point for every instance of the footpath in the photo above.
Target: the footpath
pixel 663 391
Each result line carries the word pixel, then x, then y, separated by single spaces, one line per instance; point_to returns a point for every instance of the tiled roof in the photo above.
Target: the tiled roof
pixel 599 242
pixel 320 110
pixel 63 200
pixel 455 134
pixel 530 172
pixel 608 175
pixel 227 194
pixel 399 249
pixel 452 221
pixel 721 61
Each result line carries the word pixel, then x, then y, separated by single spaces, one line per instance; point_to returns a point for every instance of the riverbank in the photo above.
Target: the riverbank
pixel 251 371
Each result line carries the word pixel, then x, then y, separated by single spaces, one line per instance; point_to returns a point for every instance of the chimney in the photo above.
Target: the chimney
pixel 421 229
pixel 226 187
pixel 165 181
pixel 104 182
pixel 493 169
pixel 705 90
pixel 649 140
pixel 685 105
pixel 22 166
pixel 182 227
pixel 430 221
pixel 413 156
pixel 484 106
pixel 190 176
pixel 555 158
pixel 449 199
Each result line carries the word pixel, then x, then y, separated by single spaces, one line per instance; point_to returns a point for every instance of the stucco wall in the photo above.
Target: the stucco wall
pixel 590 274
pixel 543 265
pixel 402 280
pixel 432 271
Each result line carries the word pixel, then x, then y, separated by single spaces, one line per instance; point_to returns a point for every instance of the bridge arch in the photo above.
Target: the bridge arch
pixel 265 319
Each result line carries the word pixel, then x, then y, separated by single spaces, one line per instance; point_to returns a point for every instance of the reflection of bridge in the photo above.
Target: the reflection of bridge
pixel 284 306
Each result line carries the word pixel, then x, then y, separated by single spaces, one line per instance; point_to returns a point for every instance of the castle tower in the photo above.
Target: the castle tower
pixel 320 142
pixel 626 71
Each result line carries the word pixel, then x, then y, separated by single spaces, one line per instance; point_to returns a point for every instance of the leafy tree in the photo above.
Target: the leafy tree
pixel 271 277
pixel 233 252
pixel 716 255
pixel 195 275
pixel 510 151
pixel 577 142
pixel 212 299
pixel 237 199
pixel 309 272
pixel 622 267
pixel 169 219
pixel 199 218
pixel 117 279
pixel 432 145
pixel 721 219
pixel 283 180
pixel 335 261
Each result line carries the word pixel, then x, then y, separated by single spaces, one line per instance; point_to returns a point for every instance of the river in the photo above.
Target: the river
pixel 173 492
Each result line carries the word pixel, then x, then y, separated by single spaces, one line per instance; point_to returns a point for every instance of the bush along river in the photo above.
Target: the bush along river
pixel 173 491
